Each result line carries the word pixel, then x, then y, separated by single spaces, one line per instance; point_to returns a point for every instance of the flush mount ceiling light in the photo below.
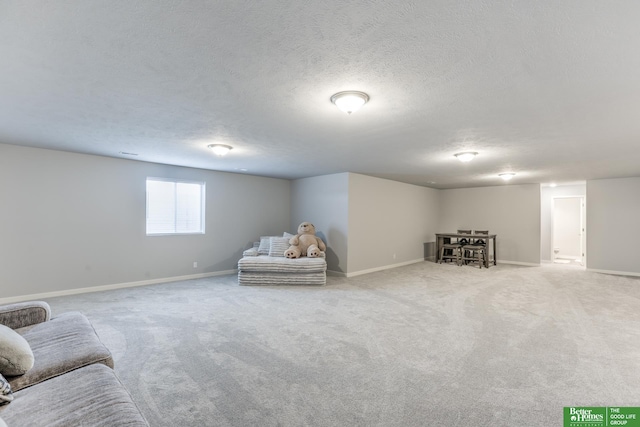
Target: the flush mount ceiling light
pixel 507 176
pixel 220 149
pixel 350 101
pixel 467 156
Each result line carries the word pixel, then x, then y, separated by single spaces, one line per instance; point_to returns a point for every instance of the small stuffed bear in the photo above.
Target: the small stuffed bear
pixel 305 243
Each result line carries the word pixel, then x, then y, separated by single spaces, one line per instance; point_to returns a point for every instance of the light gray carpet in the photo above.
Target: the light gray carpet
pixel 422 345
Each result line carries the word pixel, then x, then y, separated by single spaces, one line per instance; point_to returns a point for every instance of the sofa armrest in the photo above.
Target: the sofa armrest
pixel 23 314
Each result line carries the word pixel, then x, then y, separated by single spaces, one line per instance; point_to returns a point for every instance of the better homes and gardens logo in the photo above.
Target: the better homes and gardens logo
pixel 585 416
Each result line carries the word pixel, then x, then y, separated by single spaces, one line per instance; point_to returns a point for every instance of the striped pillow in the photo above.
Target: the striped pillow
pixel 6 395
pixel 263 249
pixel 278 246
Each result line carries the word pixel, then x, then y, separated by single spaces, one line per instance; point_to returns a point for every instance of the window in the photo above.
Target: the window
pixel 175 207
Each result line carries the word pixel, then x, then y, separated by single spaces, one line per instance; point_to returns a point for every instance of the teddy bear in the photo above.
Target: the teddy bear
pixel 305 243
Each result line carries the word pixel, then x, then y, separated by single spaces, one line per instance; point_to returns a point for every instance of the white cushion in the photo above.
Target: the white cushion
pixel 282 264
pixel 16 356
pixel 250 252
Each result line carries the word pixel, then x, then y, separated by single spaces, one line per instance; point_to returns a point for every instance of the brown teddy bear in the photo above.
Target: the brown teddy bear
pixel 305 243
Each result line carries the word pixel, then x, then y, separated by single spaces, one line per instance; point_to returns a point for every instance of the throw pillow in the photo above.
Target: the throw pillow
pixel 16 356
pixel 278 246
pixel 6 395
pixel 265 243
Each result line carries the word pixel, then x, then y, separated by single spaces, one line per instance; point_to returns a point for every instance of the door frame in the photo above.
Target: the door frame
pixel 583 226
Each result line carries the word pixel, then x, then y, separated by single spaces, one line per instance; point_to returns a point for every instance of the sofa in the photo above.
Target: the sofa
pixel 264 265
pixel 69 378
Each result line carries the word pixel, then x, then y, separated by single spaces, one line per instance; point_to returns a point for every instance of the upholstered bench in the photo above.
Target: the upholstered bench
pixel 265 264
pixel 268 270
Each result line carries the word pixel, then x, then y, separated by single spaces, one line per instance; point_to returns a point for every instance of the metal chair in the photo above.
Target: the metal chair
pixel 453 250
pixel 476 251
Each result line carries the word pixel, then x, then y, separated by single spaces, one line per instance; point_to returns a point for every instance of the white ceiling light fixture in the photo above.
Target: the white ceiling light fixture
pixel 467 156
pixel 220 149
pixel 350 101
pixel 507 176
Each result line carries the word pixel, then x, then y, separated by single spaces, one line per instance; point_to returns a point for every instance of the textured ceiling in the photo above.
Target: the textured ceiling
pixel 548 90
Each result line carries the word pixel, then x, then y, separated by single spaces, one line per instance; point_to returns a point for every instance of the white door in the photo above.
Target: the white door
pixel 567 229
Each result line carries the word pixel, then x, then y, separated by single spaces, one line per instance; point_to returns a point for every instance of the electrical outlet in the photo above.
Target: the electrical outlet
pixel 195 264
pixel 394 256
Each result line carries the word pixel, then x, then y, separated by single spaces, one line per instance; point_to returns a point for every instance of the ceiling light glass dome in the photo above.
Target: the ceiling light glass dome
pixel 350 101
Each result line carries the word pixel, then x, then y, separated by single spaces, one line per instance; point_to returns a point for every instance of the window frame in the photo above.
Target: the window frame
pixel 203 191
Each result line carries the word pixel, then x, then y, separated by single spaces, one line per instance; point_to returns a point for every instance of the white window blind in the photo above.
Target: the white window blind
pixel 175 207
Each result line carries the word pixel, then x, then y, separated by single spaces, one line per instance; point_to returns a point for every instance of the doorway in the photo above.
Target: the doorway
pixel 568 230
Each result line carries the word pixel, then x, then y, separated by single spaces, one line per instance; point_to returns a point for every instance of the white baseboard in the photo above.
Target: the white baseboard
pixel 527 264
pixel 336 273
pixel 616 273
pixel 386 267
pixel 432 259
pixel 101 288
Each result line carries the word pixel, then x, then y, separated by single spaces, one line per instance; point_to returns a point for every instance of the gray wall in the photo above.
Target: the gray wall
pixel 613 209
pixel 72 221
pixel 510 211
pixel 389 222
pixel 365 221
pixel 546 213
pixel 324 201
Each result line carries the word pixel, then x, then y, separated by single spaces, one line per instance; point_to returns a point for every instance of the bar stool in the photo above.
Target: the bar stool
pixel 476 251
pixel 453 250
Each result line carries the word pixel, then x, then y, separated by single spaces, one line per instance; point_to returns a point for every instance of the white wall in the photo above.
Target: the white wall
pixel 546 213
pixel 389 222
pixel 510 211
pixel 613 210
pixel 70 221
pixel 324 201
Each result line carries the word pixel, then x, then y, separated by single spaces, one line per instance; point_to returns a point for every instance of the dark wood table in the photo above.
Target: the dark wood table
pixel 440 238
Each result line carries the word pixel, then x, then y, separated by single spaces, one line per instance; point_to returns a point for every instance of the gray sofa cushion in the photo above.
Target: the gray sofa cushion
pixel 89 396
pixel 62 344
pixel 16 356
